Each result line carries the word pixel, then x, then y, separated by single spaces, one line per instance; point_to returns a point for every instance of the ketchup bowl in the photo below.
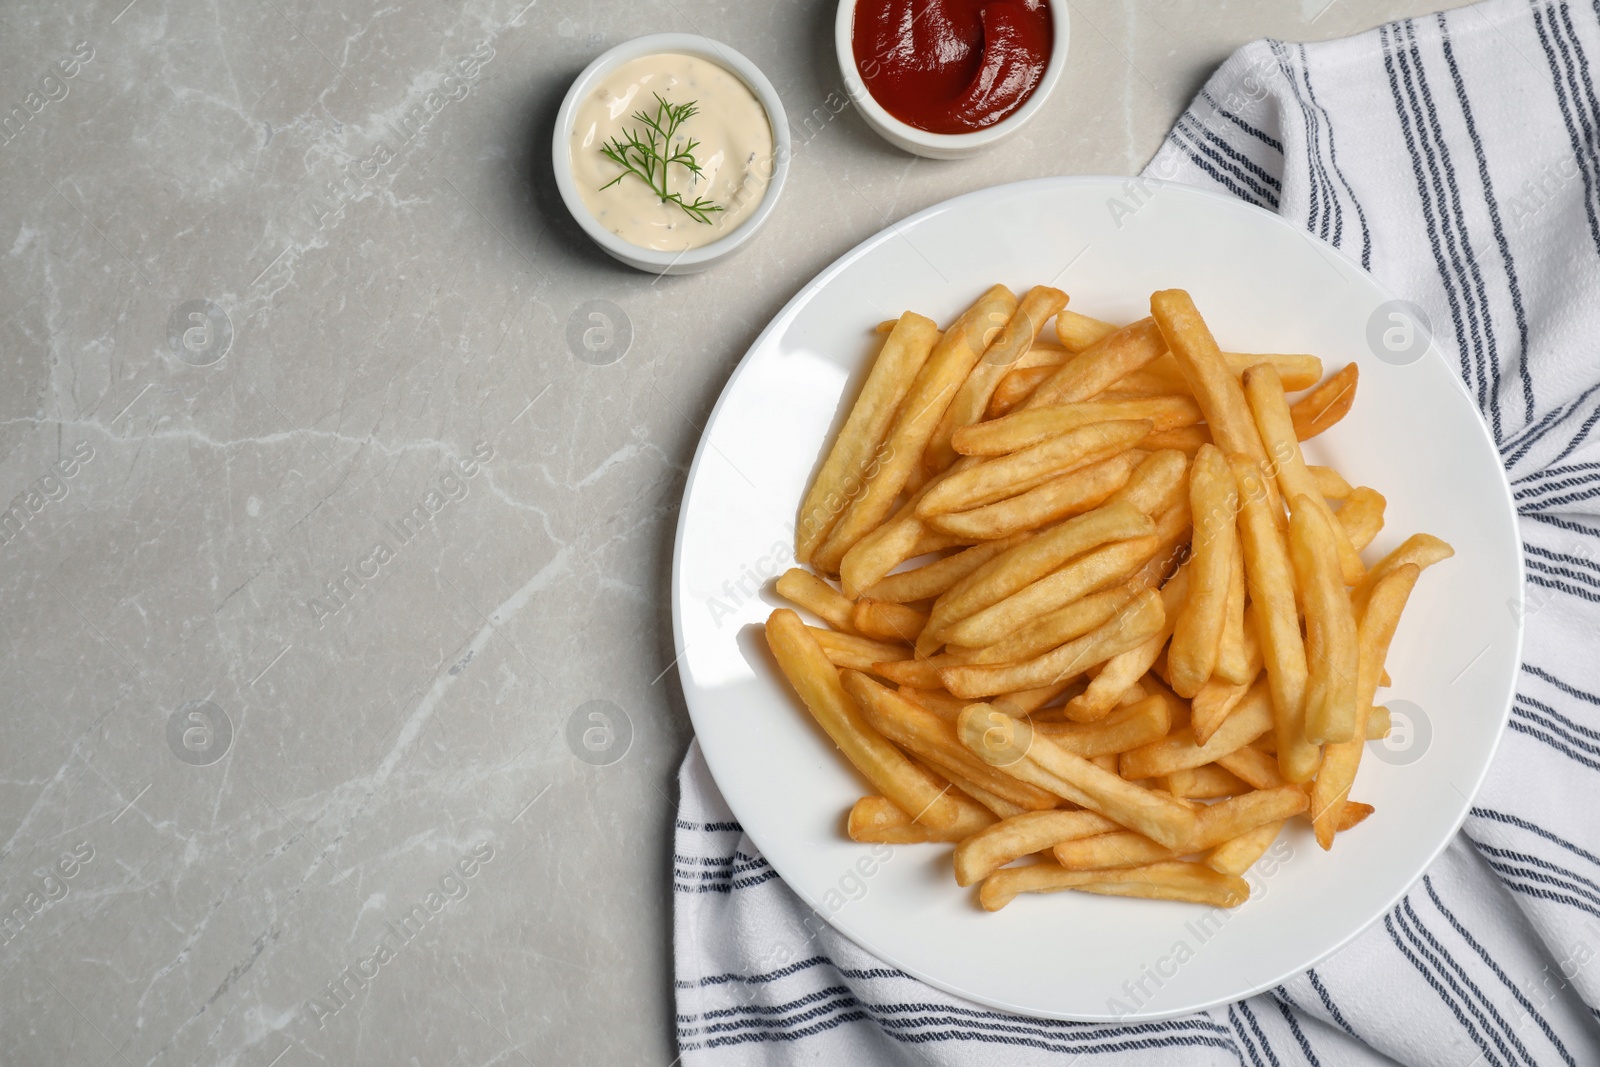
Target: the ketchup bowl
pixel 928 136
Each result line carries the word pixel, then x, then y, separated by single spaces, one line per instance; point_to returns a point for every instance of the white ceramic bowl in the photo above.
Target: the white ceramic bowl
pixel 647 259
pixel 946 145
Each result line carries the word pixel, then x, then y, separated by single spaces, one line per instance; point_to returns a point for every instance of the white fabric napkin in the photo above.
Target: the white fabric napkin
pixel 1458 158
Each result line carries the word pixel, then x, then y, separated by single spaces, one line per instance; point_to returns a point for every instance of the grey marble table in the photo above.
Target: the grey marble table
pixel 270 795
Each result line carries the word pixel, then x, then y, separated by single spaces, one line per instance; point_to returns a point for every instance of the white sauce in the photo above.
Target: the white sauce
pixel 734 153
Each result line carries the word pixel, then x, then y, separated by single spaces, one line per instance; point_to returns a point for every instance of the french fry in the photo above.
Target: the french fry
pixel 1331 648
pixel 1197 631
pixel 1129 628
pixel 1283 651
pixel 1297 371
pixel 915 421
pixel 1252 766
pixel 1077 332
pixel 1056 628
pixel 1173 529
pixel 1422 549
pixel 1093 370
pixel 1378 724
pixel 1326 404
pixel 856 653
pixel 1159 483
pixel 1025 701
pixel 989 480
pixel 1024 429
pixel 1210 707
pixel 1264 392
pixel 901 537
pixel 887 622
pixel 806 590
pixel 1233 652
pixel 1129 726
pixel 816 680
pixel 1063 496
pixel 937 701
pixel 876 820
pixel 932 579
pixel 933 740
pixel 1355 813
pixel 1214 824
pixel 1025 563
pixel 922 672
pixel 1015 388
pixel 1378 623
pixel 1099 569
pixel 1330 483
pixel 1177 880
pixel 1121 673
pixel 1038 306
pixel 1186 439
pixel 996 845
pixel 1237 856
pixel 843 472
pixel 1179 750
pixel 1211 380
pixel 1205 783
pixel 1361 518
pixel 1012 744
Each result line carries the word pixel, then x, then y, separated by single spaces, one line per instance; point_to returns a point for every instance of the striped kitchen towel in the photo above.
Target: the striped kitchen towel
pixel 1458 158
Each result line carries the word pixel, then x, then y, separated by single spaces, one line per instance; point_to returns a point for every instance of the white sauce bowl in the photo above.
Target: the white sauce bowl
pixel 694 259
pixel 946 145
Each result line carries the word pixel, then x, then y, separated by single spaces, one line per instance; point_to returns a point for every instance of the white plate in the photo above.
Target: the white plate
pixel 1265 287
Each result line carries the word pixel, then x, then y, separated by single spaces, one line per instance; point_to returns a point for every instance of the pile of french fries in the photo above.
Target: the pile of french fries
pixel 1139 636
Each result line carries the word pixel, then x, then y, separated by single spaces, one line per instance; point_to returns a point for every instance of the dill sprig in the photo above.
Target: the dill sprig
pixel 647 152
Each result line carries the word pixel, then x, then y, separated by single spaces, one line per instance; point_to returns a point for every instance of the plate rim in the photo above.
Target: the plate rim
pixel 889 232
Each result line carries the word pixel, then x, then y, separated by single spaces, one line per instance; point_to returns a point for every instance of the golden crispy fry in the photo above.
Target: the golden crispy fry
pixel 1173 529
pixel 856 653
pixel 937 701
pixel 1099 569
pixel 1355 813
pixel 996 845
pixel 988 480
pixel 901 537
pixel 1326 404
pixel 1233 654
pixel 920 673
pixel 1361 518
pixel 1297 371
pixel 1010 345
pixel 1063 496
pixel 1378 624
pixel 854 456
pixel 816 680
pixel 1024 429
pixel 932 579
pixel 1185 439
pixel 875 820
pixel 818 597
pixel 1330 626
pixel 1031 560
pixel 1094 369
pixel 1159 483
pixel 1211 706
pixel 1129 628
pixel 1015 388
pixel 915 421
pixel 1214 824
pixel 1189 882
pixel 1057 627
pixel 1253 766
pixel 1024 701
pixel 1264 392
pixel 1211 380
pixel 1330 483
pixel 1012 744
pixel 1283 651
pixel 1121 673
pixel 933 740
pixel 1129 726
pixel 1077 332
pixel 1205 783
pixel 1179 750
pixel 1422 549
pixel 1197 632
pixel 887 622
pixel 1378 724
pixel 1236 856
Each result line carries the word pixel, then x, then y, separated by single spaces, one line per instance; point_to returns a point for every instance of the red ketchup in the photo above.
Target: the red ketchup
pixel 951 66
